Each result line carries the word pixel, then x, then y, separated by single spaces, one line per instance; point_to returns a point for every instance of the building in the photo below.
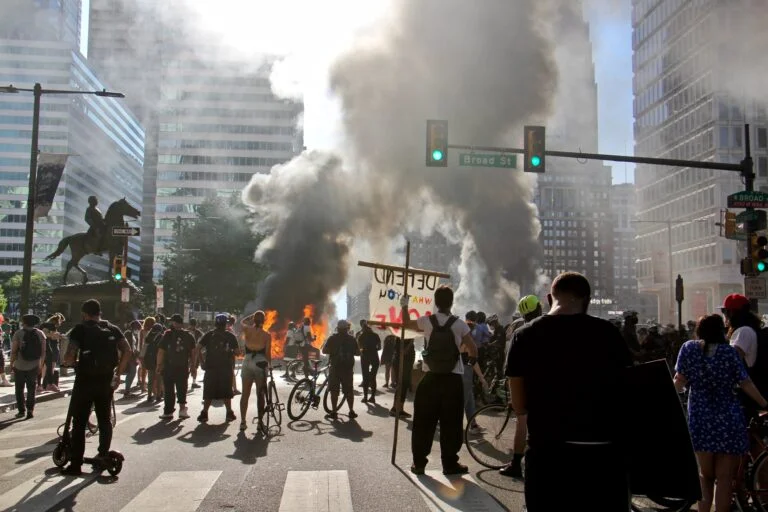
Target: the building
pixel 104 141
pixel 573 197
pixel 359 306
pixel 623 207
pixel 683 110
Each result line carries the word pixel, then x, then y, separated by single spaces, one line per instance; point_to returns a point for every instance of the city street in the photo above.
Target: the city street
pixel 183 466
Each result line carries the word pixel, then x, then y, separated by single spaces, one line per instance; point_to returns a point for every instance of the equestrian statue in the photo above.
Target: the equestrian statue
pixel 98 238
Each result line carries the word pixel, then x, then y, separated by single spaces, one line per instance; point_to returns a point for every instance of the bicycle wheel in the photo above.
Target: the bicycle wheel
pixel 659 504
pixel 491 444
pixel 300 399
pixel 276 411
pixel 327 401
pixel 295 370
pixel 759 483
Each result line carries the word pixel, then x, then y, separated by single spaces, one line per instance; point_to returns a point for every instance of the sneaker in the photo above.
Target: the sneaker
pixel 458 469
pixel 360 385
pixel 386 384
pixel 20 414
pixel 403 414
pixel 231 416
pixel 195 385
pixel 512 470
pixel 166 416
pixel 372 400
pixel 39 390
pixel 331 416
pixel 364 400
pixel 150 399
pixel 72 471
pixel 183 413
pixel 352 415
pixel 5 384
pixel 243 425
pixel 30 415
pixel 416 470
pixel 203 417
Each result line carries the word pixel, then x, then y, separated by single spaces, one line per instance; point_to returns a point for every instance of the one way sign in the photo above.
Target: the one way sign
pixel 125 231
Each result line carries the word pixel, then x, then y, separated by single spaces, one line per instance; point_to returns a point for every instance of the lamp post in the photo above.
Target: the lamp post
pixel 38 91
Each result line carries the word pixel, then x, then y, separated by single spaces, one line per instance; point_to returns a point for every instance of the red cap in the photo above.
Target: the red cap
pixel 734 302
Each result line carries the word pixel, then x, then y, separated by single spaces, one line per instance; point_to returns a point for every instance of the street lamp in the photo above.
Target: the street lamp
pixel 38 91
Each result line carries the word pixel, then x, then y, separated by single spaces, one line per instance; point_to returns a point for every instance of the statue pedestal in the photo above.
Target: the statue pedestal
pixel 68 300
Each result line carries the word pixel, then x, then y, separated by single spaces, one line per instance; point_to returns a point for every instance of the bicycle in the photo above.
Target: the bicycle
pixel 295 368
pixel 272 407
pixel 306 393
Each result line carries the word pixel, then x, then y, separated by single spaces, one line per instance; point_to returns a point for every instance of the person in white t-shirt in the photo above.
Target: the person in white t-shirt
pixel 742 327
pixel 440 396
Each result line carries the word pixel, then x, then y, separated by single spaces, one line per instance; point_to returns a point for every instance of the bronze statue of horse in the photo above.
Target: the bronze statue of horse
pixel 80 244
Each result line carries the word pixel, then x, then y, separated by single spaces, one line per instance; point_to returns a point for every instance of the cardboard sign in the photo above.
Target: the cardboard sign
pixel 387 289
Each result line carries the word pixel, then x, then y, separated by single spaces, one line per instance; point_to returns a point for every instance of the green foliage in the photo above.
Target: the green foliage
pixel 212 260
pixel 41 288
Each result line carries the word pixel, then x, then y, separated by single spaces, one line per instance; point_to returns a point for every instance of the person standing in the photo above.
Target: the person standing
pixel 386 356
pixel 197 334
pixel 402 387
pixel 566 371
pixel 132 335
pixel 220 348
pixel 440 394
pixel 370 344
pixel 98 348
pixel 258 357
pixel 52 351
pixel 175 358
pixel 305 339
pixel 342 349
pixel 27 350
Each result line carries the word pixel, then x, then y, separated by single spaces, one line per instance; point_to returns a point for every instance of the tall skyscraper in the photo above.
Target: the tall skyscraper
pixel 573 197
pixel 683 110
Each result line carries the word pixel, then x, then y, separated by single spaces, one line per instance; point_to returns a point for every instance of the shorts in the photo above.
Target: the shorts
pixel 217 384
pixel 254 367
pixel 341 378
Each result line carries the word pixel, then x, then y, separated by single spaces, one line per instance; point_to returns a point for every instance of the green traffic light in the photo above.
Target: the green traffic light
pixel 535 161
pixel 118 277
pixel 761 266
pixel 437 155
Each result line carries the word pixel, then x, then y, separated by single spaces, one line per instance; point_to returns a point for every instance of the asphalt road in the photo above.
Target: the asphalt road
pixel 186 466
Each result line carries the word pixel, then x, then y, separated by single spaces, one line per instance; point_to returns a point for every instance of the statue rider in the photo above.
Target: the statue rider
pixel 95 221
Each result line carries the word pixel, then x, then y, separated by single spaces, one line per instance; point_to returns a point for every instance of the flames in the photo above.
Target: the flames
pixel 278 327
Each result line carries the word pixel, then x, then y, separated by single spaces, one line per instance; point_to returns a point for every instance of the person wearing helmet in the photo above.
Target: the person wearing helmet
pixel 530 307
pixel 342 349
pixel 220 347
pixel 743 326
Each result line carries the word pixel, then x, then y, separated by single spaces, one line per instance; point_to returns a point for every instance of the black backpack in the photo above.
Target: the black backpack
pixel 98 350
pixel 440 352
pixel 218 351
pixel 759 371
pixel 345 357
pixel 31 345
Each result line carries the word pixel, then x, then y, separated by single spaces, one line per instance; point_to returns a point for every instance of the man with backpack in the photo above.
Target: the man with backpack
pixel 27 350
pixel 175 359
pixel 100 345
pixel 370 344
pixel 152 343
pixel 342 349
pixel 220 347
pixel 440 394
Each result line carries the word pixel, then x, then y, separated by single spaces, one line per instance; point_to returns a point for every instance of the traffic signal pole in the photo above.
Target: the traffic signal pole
pixel 748 174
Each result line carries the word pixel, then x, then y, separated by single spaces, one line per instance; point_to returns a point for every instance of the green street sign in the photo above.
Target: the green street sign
pixel 746 199
pixel 487 160
pixel 746 216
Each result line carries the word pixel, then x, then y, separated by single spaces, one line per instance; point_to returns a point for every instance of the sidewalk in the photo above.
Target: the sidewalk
pixel 8 395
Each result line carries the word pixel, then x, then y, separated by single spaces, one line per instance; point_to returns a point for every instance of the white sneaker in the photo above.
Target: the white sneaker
pixel 166 416
pixel 5 384
pixel 183 413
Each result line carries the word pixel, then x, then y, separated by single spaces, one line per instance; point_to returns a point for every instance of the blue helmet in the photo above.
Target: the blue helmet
pixel 221 319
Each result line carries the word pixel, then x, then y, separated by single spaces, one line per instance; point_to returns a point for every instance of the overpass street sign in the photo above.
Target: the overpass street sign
pixel 125 231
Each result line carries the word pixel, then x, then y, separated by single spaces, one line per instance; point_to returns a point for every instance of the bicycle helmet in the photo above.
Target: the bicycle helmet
pixel 493 318
pixel 528 304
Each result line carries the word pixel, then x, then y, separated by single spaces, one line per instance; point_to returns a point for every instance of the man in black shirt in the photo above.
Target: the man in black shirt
pixel 370 344
pixel 98 343
pixel 342 348
pixel 565 370
pixel 175 359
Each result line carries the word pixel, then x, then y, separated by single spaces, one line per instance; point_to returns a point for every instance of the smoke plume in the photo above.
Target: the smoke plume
pixel 487 71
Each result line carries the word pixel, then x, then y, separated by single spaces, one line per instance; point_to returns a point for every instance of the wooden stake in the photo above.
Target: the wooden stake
pixel 401 370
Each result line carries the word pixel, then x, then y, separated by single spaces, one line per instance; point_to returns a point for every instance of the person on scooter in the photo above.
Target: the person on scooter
pixel 99 344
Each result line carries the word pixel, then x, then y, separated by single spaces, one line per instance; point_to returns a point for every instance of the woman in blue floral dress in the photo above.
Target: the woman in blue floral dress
pixel 711 369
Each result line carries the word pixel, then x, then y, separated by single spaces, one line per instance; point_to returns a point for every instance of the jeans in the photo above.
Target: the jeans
pixel 130 374
pixel 48 378
pixel 469 391
pixel 370 367
pixel 96 393
pixel 28 379
pixel 175 382
pixel 438 398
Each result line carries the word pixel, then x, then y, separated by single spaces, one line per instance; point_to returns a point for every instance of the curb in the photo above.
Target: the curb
pixel 38 400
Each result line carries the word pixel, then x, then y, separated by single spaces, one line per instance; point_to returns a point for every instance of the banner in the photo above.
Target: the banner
pixel 387 288
pixel 50 168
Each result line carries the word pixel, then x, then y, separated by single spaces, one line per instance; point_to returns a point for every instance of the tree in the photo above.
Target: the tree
pixel 40 289
pixel 211 261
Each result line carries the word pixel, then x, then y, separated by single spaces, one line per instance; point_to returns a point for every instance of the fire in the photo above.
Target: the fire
pixel 278 327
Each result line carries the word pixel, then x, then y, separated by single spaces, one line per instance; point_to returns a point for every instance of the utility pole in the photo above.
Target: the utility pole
pixel 748 174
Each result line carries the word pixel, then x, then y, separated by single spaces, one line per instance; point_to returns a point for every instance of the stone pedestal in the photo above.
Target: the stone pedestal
pixel 68 300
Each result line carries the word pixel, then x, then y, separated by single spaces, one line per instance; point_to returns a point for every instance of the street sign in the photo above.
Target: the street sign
pixel 488 160
pixel 754 288
pixel 746 199
pixel 125 231
pixel 159 297
pixel 753 220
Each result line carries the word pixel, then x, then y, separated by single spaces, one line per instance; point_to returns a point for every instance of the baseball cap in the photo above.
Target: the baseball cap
pixel 221 319
pixel 177 318
pixel 734 302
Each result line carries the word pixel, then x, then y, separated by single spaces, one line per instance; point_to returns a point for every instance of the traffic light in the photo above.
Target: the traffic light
pixel 533 146
pixel 730 224
pixel 759 253
pixel 437 143
pixel 117 268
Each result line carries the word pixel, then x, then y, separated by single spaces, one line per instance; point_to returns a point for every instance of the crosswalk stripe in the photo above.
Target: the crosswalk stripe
pixel 174 491
pixel 443 494
pixel 25 466
pixel 319 491
pixel 42 493
pixel 27 450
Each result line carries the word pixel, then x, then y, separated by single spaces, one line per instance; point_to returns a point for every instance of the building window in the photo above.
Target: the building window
pixel 762 138
pixel 737 137
pixel 724 137
pixel 762 167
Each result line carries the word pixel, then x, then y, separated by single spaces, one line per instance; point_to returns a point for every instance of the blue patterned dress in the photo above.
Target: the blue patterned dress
pixel 715 417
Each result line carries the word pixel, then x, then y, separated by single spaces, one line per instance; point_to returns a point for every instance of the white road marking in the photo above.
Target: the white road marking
pixel 25 466
pixel 174 491
pixel 443 494
pixel 27 450
pixel 42 493
pixel 318 491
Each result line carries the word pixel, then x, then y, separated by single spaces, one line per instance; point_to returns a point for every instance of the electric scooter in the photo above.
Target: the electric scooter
pixel 112 462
